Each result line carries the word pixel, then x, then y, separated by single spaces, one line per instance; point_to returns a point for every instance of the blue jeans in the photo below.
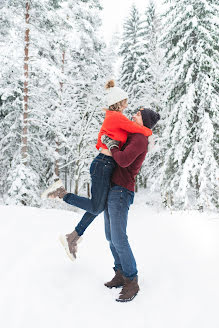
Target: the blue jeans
pixel 100 170
pixel 115 218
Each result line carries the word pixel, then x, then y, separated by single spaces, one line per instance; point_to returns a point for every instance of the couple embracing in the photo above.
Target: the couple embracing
pixel 122 146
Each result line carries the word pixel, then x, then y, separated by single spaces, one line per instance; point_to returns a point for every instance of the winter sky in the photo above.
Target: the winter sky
pixel 115 11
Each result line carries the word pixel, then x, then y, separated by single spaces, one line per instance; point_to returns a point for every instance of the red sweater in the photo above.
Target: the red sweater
pixel 129 160
pixel 117 127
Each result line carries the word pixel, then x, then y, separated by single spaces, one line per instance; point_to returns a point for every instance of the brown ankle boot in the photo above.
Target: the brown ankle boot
pixel 58 193
pixel 129 290
pixel 55 191
pixel 73 239
pixel 117 280
pixel 69 242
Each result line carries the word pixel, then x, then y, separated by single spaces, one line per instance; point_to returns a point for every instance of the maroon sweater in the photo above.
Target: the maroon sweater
pixel 129 160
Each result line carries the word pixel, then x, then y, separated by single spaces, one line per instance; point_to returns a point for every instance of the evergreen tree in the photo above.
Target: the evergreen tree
pixel 61 94
pixel 88 75
pixel 130 52
pixel 189 176
pixel 11 86
pixel 35 95
pixel 111 55
pixel 151 94
pixel 151 62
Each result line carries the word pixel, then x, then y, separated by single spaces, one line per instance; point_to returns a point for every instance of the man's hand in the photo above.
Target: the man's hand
pixel 110 143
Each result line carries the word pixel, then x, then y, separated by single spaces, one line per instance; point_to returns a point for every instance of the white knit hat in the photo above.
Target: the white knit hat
pixel 114 94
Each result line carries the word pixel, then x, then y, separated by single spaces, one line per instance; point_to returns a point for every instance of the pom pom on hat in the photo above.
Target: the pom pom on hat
pixel 110 84
pixel 114 94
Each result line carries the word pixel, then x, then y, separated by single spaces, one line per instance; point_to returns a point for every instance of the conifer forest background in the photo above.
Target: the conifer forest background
pixel 54 64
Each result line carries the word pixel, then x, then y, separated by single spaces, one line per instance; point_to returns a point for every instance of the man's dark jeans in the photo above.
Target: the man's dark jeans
pixel 115 217
pixel 100 170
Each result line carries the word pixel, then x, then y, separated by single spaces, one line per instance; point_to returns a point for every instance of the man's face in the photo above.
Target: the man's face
pixel 137 118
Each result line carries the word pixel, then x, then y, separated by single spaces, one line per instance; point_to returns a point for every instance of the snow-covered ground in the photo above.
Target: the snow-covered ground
pixel 178 261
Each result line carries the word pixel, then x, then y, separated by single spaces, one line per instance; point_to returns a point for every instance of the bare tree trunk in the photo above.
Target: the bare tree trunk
pixel 57 170
pixel 76 187
pixel 26 69
pixel 57 161
pixel 66 173
pixel 88 190
pixel 136 184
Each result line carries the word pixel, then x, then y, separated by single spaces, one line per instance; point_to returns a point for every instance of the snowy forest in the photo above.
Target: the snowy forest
pixel 54 65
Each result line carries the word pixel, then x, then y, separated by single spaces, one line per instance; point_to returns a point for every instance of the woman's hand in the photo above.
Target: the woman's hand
pixel 110 143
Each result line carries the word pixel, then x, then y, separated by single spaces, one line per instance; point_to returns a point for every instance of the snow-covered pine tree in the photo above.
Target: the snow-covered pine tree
pixel 112 55
pixel 87 75
pixel 45 93
pixel 43 86
pixel 18 184
pixel 131 51
pixel 151 63
pixel 189 177
pixel 65 43
pixel 151 94
pixel 64 93
pixel 11 86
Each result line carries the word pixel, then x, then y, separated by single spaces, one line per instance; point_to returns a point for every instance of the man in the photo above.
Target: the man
pixel 120 197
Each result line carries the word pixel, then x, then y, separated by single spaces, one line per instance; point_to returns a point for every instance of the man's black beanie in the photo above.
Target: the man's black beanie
pixel 149 117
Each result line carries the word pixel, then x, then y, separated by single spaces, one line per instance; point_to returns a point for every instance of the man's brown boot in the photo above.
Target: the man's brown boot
pixel 129 290
pixel 117 281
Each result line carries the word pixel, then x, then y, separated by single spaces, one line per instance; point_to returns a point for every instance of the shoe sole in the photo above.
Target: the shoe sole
pixel 125 300
pixel 52 188
pixel 64 243
pixel 114 286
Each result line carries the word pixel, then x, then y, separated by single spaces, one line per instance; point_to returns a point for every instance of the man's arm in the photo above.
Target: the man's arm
pixel 126 157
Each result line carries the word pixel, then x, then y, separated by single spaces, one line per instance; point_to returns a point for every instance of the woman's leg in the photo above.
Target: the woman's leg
pixel 101 170
pixel 84 223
